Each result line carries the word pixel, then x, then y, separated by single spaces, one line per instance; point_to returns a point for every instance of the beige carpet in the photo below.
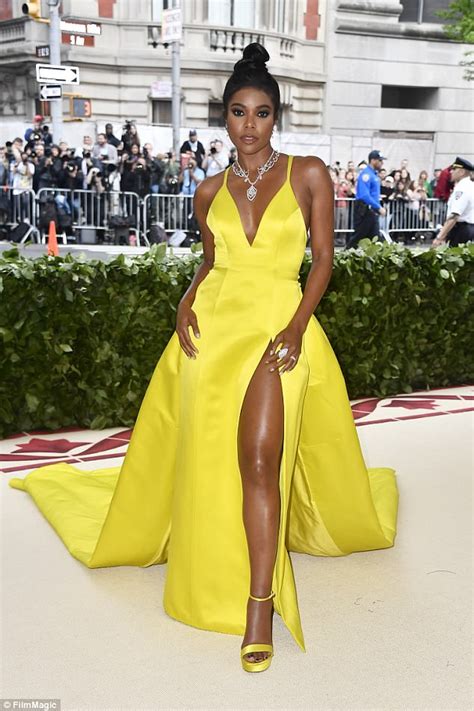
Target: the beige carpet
pixel 387 629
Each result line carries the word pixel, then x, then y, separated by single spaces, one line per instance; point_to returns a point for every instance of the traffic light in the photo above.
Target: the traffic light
pixel 32 9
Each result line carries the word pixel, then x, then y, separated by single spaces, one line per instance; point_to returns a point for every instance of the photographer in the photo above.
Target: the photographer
pixel 113 140
pixel 46 136
pixel 216 159
pixel 44 176
pixel 195 146
pixel 95 181
pixel 36 130
pixel 104 152
pixel 135 174
pixel 191 176
pixel 130 137
pixel 23 172
pixel 171 173
pixel 154 167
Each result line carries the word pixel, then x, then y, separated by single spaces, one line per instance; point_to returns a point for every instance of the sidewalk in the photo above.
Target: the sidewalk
pixel 384 630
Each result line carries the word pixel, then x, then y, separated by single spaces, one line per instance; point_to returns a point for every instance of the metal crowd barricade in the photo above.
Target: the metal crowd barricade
pixel 81 211
pixel 404 219
pixel 17 206
pixel 54 204
pixel 171 212
pixel 111 213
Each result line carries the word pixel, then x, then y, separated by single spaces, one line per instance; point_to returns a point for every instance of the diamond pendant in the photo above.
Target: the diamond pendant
pixel 251 192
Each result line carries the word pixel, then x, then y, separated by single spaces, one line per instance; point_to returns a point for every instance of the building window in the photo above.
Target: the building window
pixel 161 111
pixel 423 10
pixel 233 13
pixel 157 7
pixel 280 15
pixel 409 97
pixel 216 115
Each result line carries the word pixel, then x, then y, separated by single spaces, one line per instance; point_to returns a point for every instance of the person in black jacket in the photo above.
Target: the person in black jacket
pixel 192 144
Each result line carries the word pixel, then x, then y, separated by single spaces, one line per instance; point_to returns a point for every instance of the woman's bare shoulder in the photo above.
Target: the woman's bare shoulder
pixel 207 190
pixel 309 166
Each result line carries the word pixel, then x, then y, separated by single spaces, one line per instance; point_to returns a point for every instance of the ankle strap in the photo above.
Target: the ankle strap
pixel 261 599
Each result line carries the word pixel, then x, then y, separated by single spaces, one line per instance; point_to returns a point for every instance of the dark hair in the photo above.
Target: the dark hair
pixel 252 71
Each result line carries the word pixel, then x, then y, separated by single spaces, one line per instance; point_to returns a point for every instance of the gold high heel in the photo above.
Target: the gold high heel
pixel 257 647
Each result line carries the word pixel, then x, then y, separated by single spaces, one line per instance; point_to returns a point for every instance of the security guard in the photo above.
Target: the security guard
pixel 367 206
pixel 459 225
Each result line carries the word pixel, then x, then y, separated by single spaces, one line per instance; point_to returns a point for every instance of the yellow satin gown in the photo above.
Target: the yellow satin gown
pixel 178 496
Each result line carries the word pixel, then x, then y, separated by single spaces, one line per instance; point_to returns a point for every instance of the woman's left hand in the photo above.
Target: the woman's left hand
pixel 291 338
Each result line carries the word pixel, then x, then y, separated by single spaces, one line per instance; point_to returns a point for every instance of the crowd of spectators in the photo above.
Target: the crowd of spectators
pixel 125 164
pixel 406 196
pixel 107 163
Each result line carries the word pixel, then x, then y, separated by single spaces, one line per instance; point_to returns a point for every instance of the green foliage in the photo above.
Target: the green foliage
pixel 460 15
pixel 79 340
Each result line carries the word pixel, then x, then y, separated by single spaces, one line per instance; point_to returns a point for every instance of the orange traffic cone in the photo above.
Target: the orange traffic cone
pixel 53 250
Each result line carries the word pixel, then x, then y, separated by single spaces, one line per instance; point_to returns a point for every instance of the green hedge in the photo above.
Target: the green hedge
pixel 80 339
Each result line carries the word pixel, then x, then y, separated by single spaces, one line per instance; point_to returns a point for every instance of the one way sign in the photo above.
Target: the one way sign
pixel 50 91
pixel 51 73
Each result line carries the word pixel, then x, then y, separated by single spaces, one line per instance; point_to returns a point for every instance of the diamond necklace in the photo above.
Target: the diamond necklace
pixel 241 173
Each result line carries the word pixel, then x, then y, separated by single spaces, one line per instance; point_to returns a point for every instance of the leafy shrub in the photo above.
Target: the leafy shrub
pixel 79 339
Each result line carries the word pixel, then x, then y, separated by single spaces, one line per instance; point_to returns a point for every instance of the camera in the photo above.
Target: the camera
pixel 127 126
pixel 35 136
pixel 86 154
pixel 190 165
pixel 104 156
pixel 213 150
pixel 71 167
pixel 139 166
pixel 33 154
pixel 169 155
pixel 47 152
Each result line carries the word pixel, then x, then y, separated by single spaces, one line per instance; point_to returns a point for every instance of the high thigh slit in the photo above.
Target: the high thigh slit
pixel 178 496
pixel 253 405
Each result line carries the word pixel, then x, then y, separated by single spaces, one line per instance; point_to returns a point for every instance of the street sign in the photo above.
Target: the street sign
pixel 81 28
pixel 50 91
pixel 171 26
pixel 42 51
pixel 52 73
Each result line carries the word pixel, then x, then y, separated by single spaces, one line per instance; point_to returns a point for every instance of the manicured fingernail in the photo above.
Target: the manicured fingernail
pixel 271 352
pixel 272 369
pixel 198 335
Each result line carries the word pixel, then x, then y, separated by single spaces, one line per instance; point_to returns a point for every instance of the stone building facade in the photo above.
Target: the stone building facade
pixel 354 74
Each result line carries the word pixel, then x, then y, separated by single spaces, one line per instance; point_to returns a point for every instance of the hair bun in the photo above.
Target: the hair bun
pixel 256 53
pixel 254 58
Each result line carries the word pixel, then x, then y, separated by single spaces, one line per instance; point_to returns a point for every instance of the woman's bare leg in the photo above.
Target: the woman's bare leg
pixel 260 441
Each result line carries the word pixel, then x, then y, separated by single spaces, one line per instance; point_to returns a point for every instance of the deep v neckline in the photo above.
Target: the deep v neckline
pixel 236 207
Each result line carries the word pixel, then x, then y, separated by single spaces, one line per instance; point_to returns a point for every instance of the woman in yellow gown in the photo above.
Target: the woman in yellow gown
pixel 245 446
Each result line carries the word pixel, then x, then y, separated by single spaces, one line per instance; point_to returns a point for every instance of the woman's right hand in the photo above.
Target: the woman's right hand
pixel 186 317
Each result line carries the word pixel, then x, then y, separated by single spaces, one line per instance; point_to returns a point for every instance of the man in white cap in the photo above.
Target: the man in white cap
pixel 459 225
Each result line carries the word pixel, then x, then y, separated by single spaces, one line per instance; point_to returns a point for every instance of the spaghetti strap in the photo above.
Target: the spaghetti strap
pixel 226 173
pixel 288 167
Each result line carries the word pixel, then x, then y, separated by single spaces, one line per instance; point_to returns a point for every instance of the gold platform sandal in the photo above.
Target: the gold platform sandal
pixel 257 647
